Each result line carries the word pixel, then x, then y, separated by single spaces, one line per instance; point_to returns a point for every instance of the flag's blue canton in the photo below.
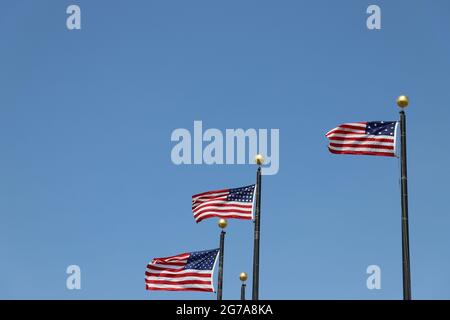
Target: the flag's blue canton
pixel 202 260
pixel 244 194
pixel 381 128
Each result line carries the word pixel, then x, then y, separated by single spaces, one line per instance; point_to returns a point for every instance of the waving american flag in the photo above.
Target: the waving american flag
pixel 184 272
pixel 226 203
pixel 376 138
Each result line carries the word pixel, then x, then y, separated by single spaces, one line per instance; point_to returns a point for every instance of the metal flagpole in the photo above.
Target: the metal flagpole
pixel 402 102
pixel 255 292
pixel 243 278
pixel 222 224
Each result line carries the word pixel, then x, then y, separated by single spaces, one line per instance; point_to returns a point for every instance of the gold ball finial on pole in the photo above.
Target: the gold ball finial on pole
pixel 223 223
pixel 259 159
pixel 402 101
pixel 243 276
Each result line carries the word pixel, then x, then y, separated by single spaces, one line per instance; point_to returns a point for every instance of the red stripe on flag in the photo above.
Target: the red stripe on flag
pixel 371 146
pixel 229 216
pixel 150 266
pixel 177 275
pixel 219 211
pixel 386 154
pixel 350 126
pixel 363 139
pixel 179 289
pixel 178 283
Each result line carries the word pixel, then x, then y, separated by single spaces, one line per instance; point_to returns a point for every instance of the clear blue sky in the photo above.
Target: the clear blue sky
pixel 86 117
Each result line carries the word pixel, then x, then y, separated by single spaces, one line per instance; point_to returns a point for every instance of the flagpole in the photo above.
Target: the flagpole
pixel 243 278
pixel 402 102
pixel 255 292
pixel 222 224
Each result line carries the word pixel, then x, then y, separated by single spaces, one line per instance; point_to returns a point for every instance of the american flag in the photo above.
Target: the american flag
pixel 184 272
pixel 226 203
pixel 376 138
